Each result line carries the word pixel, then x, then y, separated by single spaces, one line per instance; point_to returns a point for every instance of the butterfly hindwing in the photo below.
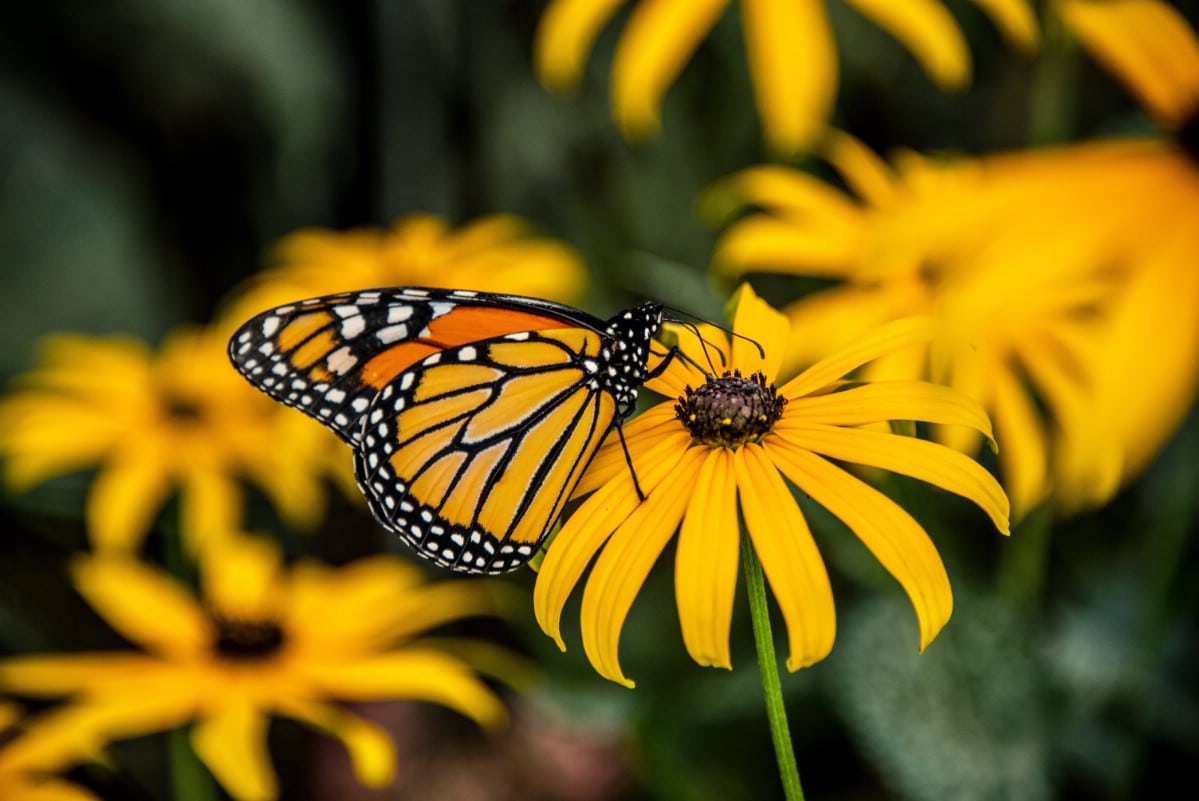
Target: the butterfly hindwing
pixel 471 454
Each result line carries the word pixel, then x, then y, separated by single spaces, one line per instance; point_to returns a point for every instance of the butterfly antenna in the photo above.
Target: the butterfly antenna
pixel 692 325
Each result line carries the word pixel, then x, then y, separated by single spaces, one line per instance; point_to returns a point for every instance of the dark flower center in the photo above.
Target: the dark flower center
pixel 1188 135
pixel 731 410
pixel 247 639
pixel 182 409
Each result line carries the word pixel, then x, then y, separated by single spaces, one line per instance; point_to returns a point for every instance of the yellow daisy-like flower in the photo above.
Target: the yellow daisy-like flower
pixel 496 253
pixel 1057 266
pixel 32 751
pixel 261 641
pixel 152 422
pixel 789 44
pixel 729 448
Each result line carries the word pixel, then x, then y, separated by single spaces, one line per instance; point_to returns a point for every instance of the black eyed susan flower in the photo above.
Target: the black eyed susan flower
pixel 260 641
pixel 1056 265
pixel 790 47
pixel 733 446
pixel 179 419
pixel 497 253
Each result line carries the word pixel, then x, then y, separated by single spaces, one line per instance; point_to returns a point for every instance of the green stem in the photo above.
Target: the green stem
pixel 1051 97
pixel 776 712
pixel 190 781
pixel 1025 556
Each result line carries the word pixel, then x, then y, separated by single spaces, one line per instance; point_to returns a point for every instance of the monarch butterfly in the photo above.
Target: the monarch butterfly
pixel 472 415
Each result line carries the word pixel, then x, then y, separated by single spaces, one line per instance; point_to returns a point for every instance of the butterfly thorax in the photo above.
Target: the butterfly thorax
pixel 626 350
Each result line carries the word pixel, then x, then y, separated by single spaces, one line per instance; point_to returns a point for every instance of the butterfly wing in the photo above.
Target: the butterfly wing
pixel 329 357
pixel 470 454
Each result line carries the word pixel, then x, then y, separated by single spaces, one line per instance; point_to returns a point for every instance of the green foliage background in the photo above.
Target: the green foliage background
pixel 150 152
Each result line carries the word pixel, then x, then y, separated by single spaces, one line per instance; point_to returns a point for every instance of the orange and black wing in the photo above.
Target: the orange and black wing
pixel 470 454
pixel 331 356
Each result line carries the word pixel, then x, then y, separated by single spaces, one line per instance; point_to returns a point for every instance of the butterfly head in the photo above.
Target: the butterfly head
pixel 627 337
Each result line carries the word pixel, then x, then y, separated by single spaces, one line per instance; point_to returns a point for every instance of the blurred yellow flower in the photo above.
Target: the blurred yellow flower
pixel 32 751
pixel 260 641
pixel 495 253
pixel 789 44
pixel 153 422
pixel 1149 46
pixel 730 448
pixel 1053 269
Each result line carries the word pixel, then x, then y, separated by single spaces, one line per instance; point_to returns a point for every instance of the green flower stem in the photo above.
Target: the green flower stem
pixel 190 781
pixel 776 712
pixel 1052 102
pixel 1021 575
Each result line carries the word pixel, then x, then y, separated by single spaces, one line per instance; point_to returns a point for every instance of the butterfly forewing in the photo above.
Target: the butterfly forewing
pixel 330 356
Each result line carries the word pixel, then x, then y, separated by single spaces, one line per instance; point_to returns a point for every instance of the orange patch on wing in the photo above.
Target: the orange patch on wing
pixel 472 323
pixel 301 328
pixel 386 365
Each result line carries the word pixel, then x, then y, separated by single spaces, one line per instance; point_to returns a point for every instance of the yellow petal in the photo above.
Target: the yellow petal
pixel 146 606
pixel 231 741
pixel 705 568
pixel 564 38
pixel 1015 19
pixel 372 754
pixel 927 461
pixel 125 499
pixel 43 436
pixel 414 673
pixel 762 334
pixel 878 342
pixel 827 321
pixel 896 540
pixel 658 40
pixel 210 507
pixel 793 63
pixel 642 434
pixel 589 527
pixel 625 561
pixel 1024 447
pixel 888 400
pixel 789 558
pixel 241 577
pixel 929 33
pixel 1147 44
pixel 49 676
pixel 871 178
pixel 763 244
pixel 579 539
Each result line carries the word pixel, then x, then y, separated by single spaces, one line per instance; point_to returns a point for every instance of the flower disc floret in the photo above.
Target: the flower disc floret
pixel 729 411
pixel 247 640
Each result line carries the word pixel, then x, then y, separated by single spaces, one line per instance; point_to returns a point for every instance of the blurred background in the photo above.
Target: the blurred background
pixel 151 153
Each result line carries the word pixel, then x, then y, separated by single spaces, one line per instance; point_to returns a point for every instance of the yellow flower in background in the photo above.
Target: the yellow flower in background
pixel 495 253
pixel 1053 269
pixel 32 751
pixel 1149 46
pixel 735 445
pixel 789 45
pixel 179 419
pixel 261 641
